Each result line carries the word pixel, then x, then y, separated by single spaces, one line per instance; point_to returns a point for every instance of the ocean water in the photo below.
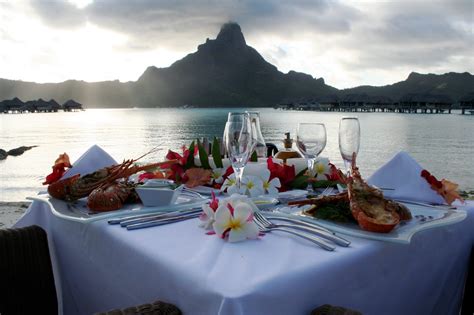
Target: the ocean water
pixel 443 144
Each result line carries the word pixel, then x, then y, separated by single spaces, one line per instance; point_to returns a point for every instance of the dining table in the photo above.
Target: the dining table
pixel 98 267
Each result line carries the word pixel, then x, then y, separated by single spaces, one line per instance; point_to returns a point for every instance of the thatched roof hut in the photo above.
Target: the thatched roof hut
pixel 467 100
pixel 425 99
pixel 72 105
pixel 332 100
pixel 13 104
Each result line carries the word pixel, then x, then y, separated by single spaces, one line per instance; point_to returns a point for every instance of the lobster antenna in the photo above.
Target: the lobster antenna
pixel 155 149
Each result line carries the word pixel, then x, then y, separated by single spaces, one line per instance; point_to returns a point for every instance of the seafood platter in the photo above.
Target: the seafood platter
pixel 109 191
pixel 362 211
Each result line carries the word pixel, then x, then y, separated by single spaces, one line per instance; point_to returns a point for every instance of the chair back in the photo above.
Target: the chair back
pixel 27 281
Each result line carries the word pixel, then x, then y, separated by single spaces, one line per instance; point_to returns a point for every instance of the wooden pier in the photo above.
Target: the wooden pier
pixel 409 104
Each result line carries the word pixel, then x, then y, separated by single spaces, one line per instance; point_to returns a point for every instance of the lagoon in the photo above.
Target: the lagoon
pixel 443 144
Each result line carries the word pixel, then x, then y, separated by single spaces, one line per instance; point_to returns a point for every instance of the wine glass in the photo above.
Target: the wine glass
pixel 311 141
pixel 239 142
pixel 349 140
pixel 260 146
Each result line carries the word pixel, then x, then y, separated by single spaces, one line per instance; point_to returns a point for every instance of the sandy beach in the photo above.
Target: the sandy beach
pixel 10 212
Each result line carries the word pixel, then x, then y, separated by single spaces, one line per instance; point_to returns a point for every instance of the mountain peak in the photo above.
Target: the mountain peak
pixel 231 35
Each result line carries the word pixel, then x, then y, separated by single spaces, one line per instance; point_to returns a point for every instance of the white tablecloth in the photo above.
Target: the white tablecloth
pixel 101 267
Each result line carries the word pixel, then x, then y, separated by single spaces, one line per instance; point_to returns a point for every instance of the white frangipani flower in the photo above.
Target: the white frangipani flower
pixel 322 168
pixel 231 185
pixel 235 223
pixel 217 175
pixel 252 186
pixel 207 217
pixel 269 186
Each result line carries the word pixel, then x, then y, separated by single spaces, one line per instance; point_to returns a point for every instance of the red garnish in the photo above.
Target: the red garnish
pixel 286 174
pixel 444 188
pixel 59 168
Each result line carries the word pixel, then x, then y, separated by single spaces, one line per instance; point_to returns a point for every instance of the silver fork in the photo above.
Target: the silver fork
pixel 320 242
pixel 304 228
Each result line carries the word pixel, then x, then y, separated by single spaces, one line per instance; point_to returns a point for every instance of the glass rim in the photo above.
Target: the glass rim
pixel 349 117
pixel 310 123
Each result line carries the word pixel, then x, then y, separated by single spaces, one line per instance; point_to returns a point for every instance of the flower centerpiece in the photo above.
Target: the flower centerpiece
pixel 196 167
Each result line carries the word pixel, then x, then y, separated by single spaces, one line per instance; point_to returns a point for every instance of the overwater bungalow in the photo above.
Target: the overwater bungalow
pixel 413 102
pixel 72 105
pixel 37 106
pixel 328 102
pixel 13 105
pixel 466 103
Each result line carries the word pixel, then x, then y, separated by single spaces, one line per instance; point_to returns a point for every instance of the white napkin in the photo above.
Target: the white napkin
pixel 93 159
pixel 402 173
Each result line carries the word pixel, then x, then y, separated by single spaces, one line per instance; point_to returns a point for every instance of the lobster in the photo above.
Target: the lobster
pixel 104 191
pixel 367 204
pixel 369 207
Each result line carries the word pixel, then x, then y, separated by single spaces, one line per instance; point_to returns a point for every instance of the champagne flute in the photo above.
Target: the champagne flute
pixel 239 142
pixel 349 140
pixel 311 141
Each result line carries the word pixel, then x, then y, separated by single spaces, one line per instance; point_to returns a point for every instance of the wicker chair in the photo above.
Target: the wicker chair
pixel 327 309
pixel 27 281
pixel 468 299
pixel 156 308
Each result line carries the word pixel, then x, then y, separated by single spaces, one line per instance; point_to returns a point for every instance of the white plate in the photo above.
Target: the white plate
pixel 204 190
pixel 78 211
pixel 434 217
pixel 264 202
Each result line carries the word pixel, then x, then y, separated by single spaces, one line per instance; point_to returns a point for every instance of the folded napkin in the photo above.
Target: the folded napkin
pixel 403 174
pixel 93 159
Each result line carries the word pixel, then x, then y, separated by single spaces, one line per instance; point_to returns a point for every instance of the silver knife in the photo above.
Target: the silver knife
pixel 148 215
pixel 128 222
pixel 161 222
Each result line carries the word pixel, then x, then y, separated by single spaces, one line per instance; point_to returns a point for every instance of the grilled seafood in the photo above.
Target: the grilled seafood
pixel 112 197
pixel 368 206
pixel 77 186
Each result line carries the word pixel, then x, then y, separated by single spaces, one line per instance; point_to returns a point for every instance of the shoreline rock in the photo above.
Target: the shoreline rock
pixel 15 152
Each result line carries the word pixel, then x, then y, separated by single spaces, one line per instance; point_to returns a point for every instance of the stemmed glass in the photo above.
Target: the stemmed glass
pixel 239 142
pixel 260 147
pixel 349 140
pixel 311 141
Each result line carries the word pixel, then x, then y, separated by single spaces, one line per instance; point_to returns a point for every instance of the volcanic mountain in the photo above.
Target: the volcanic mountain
pixel 222 72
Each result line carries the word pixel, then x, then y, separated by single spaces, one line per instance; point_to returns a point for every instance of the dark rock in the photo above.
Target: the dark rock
pixel 20 150
pixel 3 154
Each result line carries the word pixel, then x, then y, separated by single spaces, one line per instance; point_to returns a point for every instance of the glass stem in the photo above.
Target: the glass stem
pixel 348 165
pixel 238 176
pixel 311 175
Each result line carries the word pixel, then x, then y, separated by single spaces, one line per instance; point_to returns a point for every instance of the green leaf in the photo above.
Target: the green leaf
pixel 254 157
pixel 324 184
pixel 300 182
pixel 302 172
pixel 216 153
pixel 203 156
pixel 190 161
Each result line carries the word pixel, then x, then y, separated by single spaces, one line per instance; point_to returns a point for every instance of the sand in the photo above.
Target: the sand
pixel 10 212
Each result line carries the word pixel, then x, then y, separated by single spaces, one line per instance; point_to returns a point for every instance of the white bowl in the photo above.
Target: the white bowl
pixel 157 196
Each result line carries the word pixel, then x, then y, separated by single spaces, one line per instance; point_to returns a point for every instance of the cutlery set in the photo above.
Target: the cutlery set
pixel 310 231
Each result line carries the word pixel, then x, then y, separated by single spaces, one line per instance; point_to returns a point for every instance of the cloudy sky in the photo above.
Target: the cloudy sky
pixel 348 43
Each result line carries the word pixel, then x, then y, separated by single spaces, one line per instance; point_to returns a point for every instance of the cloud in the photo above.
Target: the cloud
pixel 59 13
pixel 346 42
